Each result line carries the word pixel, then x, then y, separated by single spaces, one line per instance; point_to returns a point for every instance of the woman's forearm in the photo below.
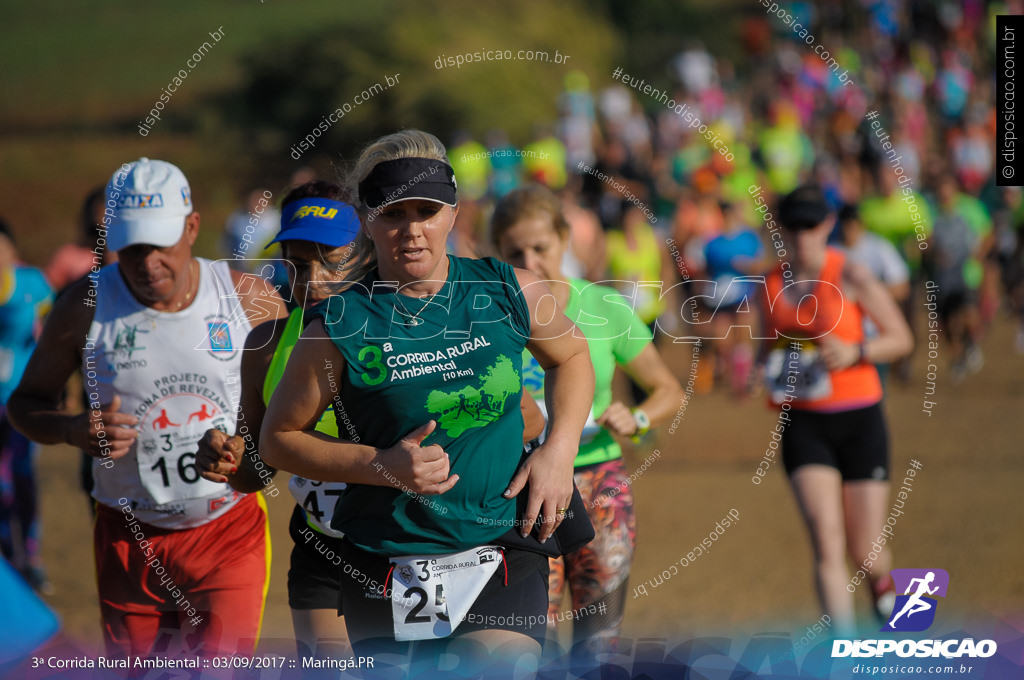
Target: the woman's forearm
pixel 569 390
pixel 663 402
pixel 315 455
pixel 887 347
pixel 40 420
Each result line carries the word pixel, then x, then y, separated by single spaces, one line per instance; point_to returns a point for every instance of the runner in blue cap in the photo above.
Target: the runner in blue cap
pixel 317 228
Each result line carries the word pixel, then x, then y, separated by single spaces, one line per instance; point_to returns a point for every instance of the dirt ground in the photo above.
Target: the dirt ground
pixel 963 515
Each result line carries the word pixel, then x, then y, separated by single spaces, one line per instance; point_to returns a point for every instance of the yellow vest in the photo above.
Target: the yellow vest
pixel 641 264
pixel 292 330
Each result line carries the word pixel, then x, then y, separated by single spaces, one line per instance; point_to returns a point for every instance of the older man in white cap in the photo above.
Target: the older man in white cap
pixel 158 337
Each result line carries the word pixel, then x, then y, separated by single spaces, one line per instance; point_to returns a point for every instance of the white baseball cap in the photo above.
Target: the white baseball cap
pixel 151 200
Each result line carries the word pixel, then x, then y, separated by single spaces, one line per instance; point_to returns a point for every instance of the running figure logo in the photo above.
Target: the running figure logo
pixel 915 609
pixel 202 414
pixel 162 422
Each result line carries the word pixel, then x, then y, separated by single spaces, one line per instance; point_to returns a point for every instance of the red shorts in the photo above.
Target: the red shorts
pixel 195 591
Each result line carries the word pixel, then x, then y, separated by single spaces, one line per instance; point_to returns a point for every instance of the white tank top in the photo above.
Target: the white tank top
pixel 178 373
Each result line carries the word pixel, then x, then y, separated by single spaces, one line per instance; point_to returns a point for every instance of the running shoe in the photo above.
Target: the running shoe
pixel 36 577
pixel 974 358
pixel 958 372
pixel 884 596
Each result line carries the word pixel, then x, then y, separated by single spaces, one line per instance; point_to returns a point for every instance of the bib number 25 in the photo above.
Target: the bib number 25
pixel 438 608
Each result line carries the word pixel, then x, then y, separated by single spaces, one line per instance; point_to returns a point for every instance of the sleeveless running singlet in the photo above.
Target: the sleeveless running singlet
pixel 316 499
pixel 640 264
pixel 615 335
pixel 453 358
pixel 176 372
pixel 853 387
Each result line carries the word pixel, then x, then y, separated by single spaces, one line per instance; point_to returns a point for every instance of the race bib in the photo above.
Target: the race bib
pixel 319 500
pixel 166 449
pixel 798 374
pixel 431 594
pixel 590 428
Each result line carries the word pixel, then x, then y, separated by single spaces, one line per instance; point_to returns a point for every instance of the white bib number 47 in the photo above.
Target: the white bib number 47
pixel 431 594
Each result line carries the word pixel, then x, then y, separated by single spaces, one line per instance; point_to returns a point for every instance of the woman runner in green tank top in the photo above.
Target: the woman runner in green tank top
pixel 529 230
pixel 426 350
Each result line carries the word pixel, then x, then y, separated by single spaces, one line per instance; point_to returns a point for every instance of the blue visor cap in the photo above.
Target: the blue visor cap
pixel 319 220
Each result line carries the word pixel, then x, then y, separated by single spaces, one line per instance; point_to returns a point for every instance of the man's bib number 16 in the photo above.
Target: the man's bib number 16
pixel 167 446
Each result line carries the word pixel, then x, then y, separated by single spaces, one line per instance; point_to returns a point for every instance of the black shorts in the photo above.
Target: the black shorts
pixel 314 577
pixel 710 308
pixel 854 442
pixel 521 606
pixel 954 302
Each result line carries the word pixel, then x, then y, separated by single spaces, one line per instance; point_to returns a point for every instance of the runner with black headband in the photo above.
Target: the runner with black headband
pixel 317 230
pixel 835 446
pixel 426 349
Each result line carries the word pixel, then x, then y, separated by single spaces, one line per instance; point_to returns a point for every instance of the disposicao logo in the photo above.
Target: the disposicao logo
pixel 914 611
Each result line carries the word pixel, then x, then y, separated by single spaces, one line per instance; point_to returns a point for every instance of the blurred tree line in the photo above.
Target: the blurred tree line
pixel 74 102
pixel 289 83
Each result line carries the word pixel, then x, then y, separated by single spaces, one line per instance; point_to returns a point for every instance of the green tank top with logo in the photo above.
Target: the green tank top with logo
pixel 453 358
